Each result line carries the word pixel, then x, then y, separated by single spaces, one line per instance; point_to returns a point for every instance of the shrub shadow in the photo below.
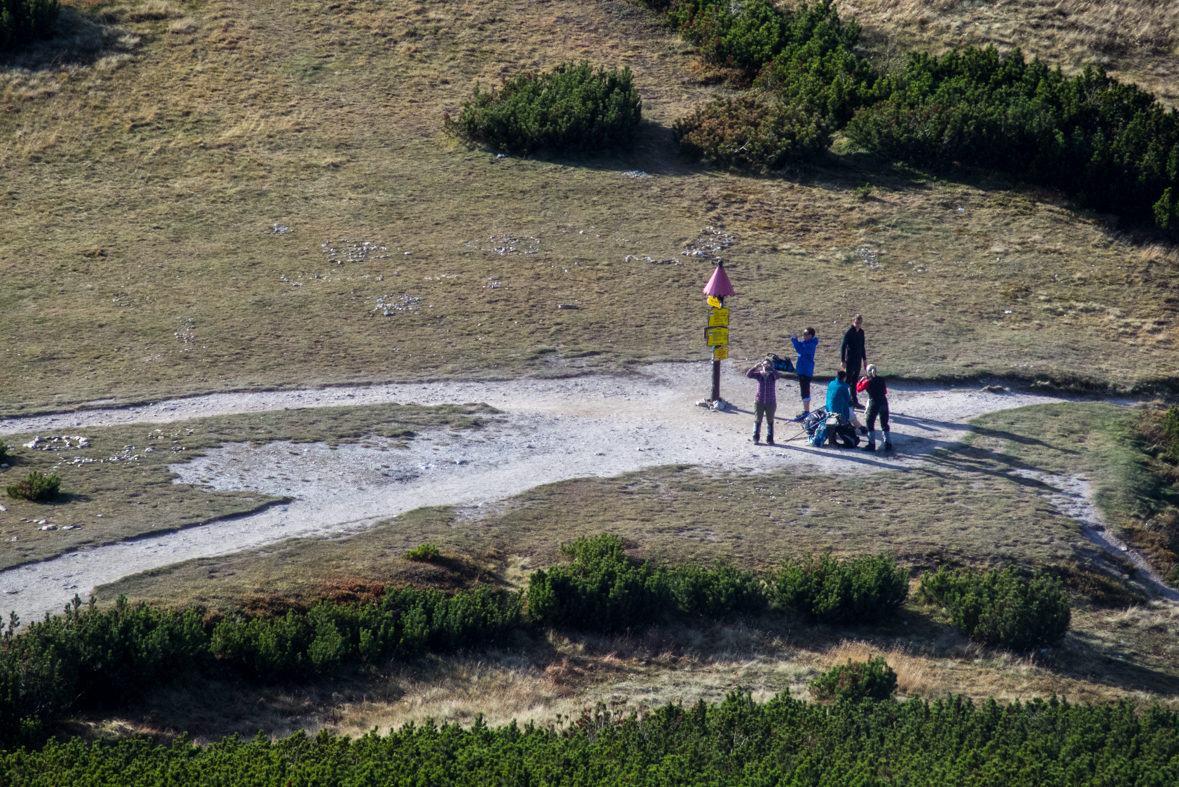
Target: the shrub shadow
pixel 78 39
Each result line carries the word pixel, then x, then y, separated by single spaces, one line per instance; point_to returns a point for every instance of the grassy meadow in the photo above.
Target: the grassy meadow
pixel 212 196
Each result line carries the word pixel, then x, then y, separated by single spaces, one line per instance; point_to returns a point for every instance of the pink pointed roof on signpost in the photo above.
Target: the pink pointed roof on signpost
pixel 718 286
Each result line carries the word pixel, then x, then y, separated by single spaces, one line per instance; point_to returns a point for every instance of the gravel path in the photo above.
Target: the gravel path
pixel 551 430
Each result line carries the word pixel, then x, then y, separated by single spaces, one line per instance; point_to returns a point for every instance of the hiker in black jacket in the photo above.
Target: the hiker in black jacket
pixel 854 356
pixel 877 405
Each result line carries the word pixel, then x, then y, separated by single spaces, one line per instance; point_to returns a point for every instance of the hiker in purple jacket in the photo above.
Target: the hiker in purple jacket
pixel 766 401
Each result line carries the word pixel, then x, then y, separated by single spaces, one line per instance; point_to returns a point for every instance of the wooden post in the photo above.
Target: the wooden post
pixel 716 368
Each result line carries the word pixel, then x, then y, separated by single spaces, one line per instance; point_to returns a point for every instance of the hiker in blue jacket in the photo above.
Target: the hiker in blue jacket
pixel 805 366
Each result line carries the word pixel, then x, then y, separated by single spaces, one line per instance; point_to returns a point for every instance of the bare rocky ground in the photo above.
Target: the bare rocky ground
pixel 550 430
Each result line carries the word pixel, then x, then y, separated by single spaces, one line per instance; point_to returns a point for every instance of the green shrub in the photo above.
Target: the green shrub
pixel 602 589
pixel 860 680
pixel 783 741
pixel 571 108
pixel 90 658
pixel 404 624
pixel 1171 433
pixel 23 21
pixel 719 592
pixel 759 33
pixel 1111 145
pixel 425 553
pixel 36 487
pixel 1001 607
pixel 833 591
pixel 746 133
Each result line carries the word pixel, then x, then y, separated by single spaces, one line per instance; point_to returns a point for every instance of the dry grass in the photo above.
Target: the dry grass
pixel 152 157
pixel 1135 40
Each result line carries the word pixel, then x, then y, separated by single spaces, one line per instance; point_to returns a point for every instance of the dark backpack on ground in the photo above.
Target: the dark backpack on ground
pixel 842 432
pixel 815 426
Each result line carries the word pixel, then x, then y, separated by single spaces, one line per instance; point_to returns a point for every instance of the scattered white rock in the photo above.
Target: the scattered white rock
pixel 506 244
pixel 49 527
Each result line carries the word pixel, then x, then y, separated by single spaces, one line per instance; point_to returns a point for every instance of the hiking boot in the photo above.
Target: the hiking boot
pixel 856 405
pixel 887 444
pixel 863 430
pixel 870 447
pixel 770 440
pixel 757 439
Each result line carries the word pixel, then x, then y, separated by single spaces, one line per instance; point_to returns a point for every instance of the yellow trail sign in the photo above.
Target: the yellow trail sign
pixel 716 336
pixel 713 302
pixel 720 353
pixel 718 317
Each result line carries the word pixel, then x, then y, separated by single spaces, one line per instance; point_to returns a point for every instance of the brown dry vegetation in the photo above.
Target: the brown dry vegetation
pixel 1136 41
pixel 152 151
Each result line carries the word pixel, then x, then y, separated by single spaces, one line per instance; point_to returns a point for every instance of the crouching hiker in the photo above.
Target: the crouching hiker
pixel 839 403
pixel 766 401
pixel 877 392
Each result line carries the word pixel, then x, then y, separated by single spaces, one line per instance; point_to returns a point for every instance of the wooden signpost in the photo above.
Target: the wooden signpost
pixel 716 335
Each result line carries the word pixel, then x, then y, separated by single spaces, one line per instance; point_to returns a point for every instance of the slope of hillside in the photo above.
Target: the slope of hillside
pixel 219 196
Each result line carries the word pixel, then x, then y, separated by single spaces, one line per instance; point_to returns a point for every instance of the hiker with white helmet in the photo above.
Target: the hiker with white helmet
pixel 877 392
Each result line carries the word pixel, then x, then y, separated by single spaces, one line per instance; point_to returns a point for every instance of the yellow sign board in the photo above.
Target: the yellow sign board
pixel 717 336
pixel 713 302
pixel 718 317
pixel 720 353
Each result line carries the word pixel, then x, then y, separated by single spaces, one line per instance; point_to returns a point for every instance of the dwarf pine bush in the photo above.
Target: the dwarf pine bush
pixel 855 681
pixel 23 21
pixel 1111 145
pixel 785 740
pixel 37 487
pixel 832 591
pixel 1171 433
pixel 717 593
pixel 602 589
pixel 404 624
pixel 571 108
pixel 747 133
pixel 423 553
pixel 1001 607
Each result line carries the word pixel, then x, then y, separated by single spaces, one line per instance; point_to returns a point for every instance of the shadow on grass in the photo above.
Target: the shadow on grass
pixel 78 39
pixel 1085 658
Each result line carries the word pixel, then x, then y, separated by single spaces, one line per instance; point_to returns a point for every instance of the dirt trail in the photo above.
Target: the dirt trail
pixel 551 430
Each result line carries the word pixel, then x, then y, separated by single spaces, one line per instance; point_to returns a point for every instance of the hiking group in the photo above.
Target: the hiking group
pixel 836 423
